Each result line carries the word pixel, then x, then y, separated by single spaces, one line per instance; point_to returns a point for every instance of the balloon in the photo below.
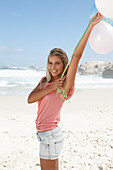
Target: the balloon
pixel 105 7
pixel 94 10
pixel 101 38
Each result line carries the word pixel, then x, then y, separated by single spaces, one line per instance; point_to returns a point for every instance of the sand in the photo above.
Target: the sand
pixel 86 122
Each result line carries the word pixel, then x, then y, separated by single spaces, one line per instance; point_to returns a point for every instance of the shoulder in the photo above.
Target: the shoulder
pixel 42 79
pixel 42 82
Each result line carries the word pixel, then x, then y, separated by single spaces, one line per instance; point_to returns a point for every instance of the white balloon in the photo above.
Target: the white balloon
pixel 101 38
pixel 105 7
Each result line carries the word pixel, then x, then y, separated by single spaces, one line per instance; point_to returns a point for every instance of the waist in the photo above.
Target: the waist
pixel 49 132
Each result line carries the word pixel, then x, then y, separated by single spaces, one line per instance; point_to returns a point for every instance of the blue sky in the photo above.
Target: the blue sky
pixel 29 29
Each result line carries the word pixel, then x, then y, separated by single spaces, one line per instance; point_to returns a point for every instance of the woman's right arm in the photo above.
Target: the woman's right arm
pixel 38 94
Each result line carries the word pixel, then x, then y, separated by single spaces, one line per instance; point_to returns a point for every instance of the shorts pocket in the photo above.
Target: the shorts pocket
pixel 38 136
pixel 58 147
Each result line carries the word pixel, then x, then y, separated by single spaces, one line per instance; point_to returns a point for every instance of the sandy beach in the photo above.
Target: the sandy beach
pixel 86 122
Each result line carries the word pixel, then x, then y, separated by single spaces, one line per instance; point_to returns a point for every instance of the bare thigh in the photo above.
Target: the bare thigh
pixel 49 164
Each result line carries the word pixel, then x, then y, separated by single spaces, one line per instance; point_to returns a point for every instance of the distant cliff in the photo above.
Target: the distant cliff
pixel 97 67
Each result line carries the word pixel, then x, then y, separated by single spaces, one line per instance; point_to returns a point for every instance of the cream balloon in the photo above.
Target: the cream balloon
pixel 101 38
pixel 105 7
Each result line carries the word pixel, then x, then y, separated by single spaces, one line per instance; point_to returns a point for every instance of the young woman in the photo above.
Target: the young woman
pixel 49 104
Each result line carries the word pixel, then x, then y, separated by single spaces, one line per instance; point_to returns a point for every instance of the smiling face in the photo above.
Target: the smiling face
pixel 55 66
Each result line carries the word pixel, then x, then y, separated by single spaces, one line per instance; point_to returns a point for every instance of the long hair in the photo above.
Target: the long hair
pixel 60 54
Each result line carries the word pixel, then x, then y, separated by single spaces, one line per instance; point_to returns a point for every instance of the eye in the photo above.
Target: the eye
pixel 50 63
pixel 57 63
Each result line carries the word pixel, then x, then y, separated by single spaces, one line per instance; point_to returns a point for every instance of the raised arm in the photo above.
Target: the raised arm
pixel 70 77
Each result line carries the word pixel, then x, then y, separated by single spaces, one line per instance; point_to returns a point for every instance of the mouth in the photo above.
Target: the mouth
pixel 54 71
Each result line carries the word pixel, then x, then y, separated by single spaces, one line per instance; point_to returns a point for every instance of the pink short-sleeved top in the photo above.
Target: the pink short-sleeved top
pixel 49 109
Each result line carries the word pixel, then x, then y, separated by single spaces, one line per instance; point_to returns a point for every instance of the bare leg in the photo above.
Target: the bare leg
pixel 49 164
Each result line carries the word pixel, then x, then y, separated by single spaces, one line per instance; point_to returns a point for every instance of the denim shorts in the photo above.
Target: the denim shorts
pixel 51 143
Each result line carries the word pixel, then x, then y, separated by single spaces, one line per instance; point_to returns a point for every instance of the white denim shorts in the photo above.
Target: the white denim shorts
pixel 51 143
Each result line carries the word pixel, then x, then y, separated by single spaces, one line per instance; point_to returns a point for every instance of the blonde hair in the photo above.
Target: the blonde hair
pixel 60 54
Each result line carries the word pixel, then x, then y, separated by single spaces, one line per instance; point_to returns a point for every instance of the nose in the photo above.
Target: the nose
pixel 53 66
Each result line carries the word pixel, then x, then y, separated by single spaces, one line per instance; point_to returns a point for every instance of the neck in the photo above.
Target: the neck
pixel 55 78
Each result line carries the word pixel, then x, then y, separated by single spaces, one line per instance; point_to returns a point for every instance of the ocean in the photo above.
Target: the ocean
pixel 22 80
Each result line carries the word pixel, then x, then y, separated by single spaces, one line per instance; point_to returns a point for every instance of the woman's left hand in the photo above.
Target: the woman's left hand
pixel 98 18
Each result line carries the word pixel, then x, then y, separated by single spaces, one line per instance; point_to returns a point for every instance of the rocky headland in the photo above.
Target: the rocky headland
pixel 96 67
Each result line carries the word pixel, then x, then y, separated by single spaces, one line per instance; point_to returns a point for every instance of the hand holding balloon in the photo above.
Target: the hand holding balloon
pixel 98 17
pixel 94 10
pixel 101 37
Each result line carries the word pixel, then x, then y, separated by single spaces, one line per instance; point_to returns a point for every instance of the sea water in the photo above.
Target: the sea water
pixel 22 80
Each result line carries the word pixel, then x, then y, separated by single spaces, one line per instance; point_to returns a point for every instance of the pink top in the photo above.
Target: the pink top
pixel 49 107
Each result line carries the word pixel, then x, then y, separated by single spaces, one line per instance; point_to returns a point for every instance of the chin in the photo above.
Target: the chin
pixel 55 75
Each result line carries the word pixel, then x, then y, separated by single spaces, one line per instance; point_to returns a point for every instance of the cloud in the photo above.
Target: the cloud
pixel 7 49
